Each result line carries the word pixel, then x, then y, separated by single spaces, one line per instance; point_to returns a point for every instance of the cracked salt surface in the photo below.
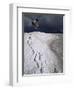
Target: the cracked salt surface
pixel 43 53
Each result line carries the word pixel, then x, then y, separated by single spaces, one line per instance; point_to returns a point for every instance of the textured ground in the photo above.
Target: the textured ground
pixel 43 53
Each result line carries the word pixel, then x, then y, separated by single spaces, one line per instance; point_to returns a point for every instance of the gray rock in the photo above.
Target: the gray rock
pixel 43 53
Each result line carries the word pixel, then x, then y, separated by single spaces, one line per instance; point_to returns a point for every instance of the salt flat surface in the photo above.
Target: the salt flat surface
pixel 43 53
